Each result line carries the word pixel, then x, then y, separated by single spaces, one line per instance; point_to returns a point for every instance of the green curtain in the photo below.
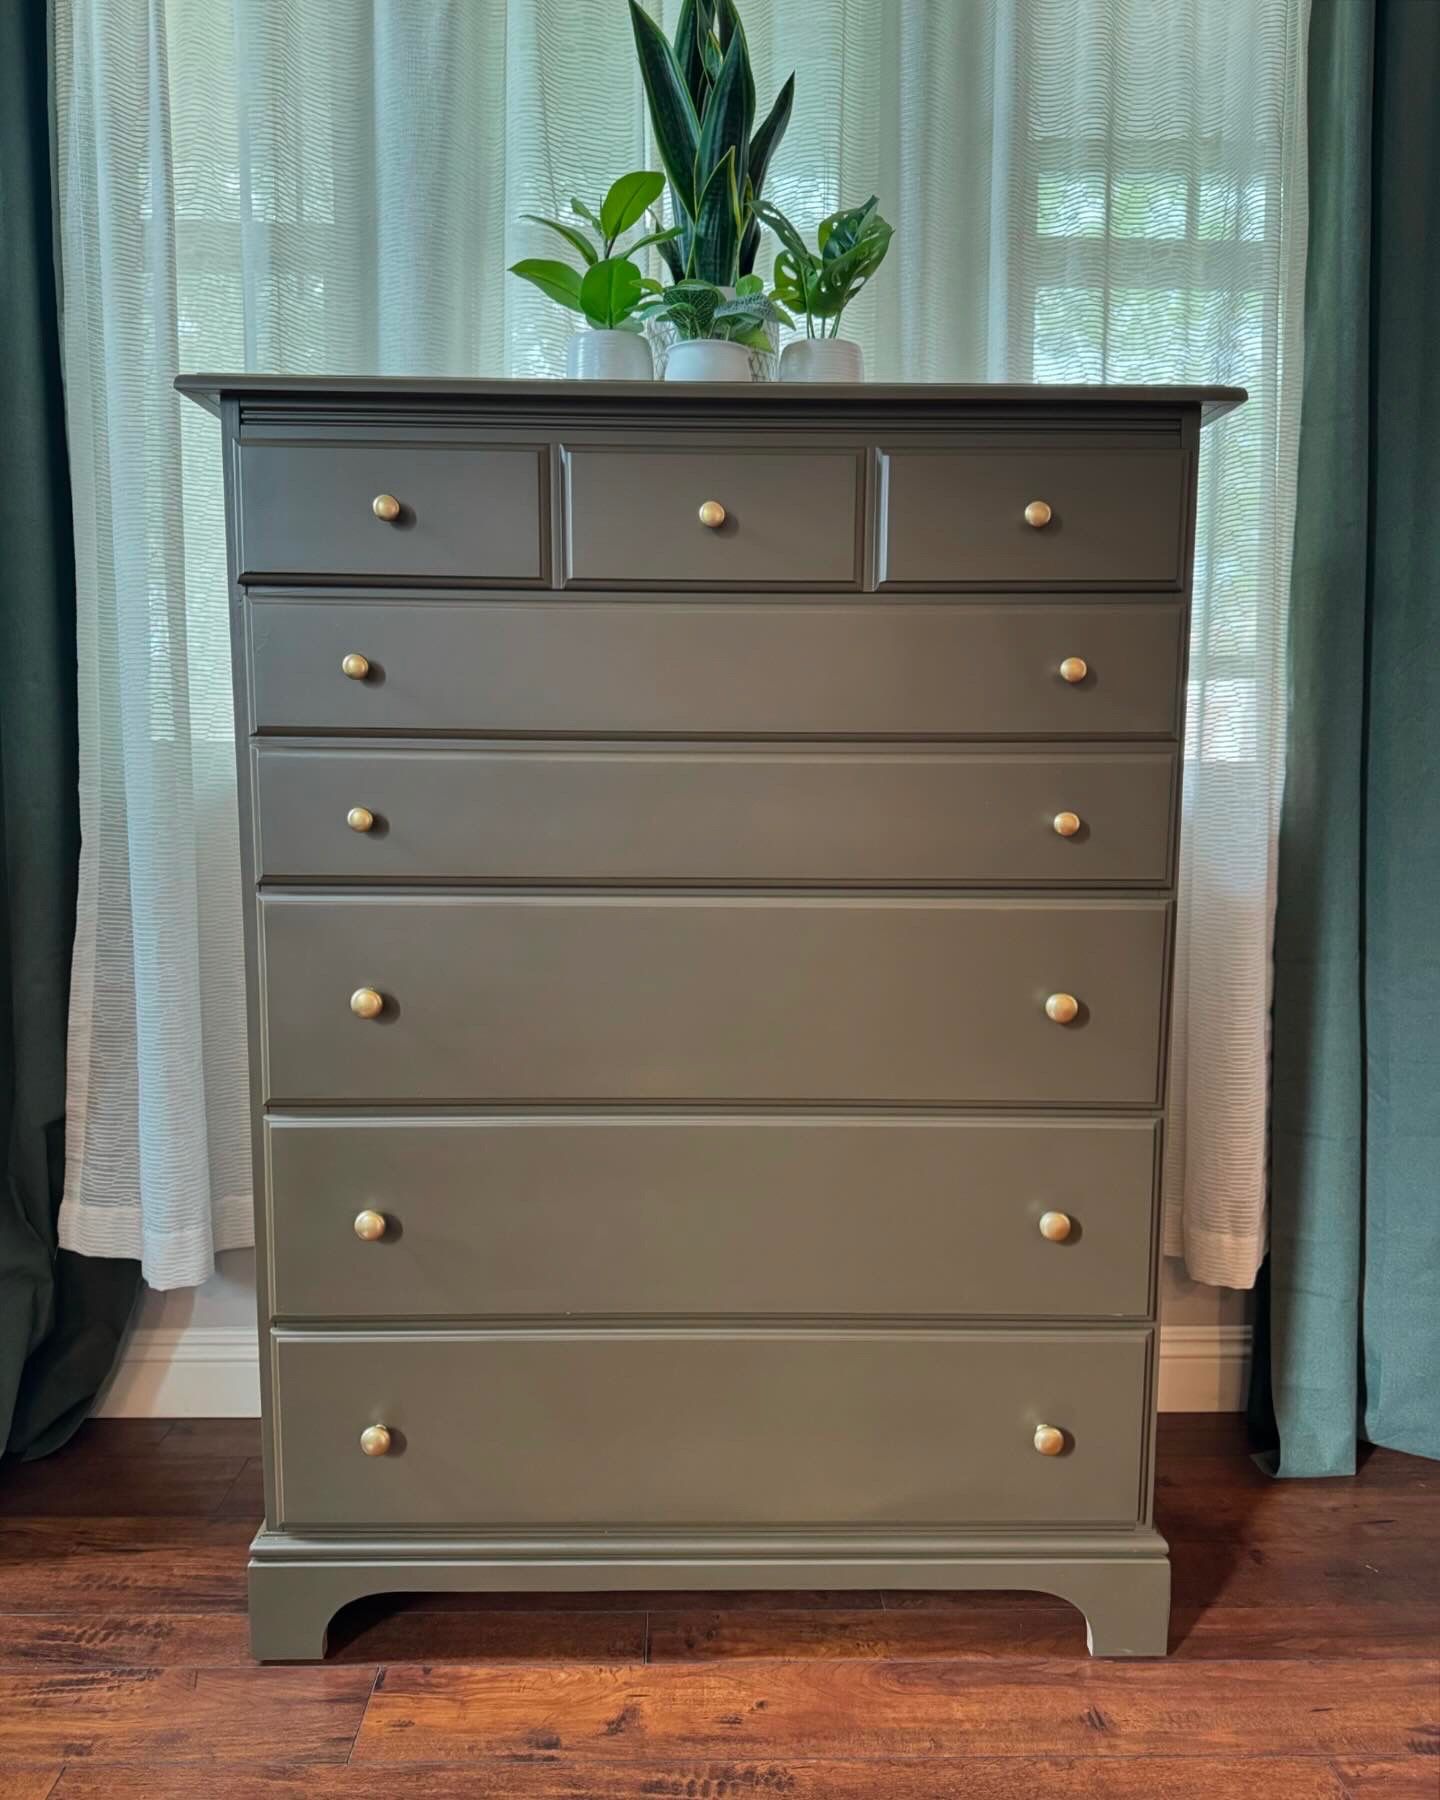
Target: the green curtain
pixel 1348 1336
pixel 61 1316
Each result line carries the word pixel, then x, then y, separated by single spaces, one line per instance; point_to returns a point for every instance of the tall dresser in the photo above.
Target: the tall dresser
pixel 710 863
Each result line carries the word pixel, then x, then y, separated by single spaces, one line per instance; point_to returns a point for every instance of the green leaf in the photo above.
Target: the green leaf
pixel 671 257
pixel 672 111
pixel 728 118
pixel 629 199
pixel 747 285
pixel 556 280
pixel 768 134
pixel 655 237
pixel 610 292
pixel 582 211
pixel 687 49
pixel 717 225
pixel 784 230
pixel 729 26
pixel 576 239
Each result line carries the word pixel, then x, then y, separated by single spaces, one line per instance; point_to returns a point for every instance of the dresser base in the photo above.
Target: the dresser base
pixel 1120 1581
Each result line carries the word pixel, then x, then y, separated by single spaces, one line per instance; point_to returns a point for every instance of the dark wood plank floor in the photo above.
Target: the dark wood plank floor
pixel 1303 1662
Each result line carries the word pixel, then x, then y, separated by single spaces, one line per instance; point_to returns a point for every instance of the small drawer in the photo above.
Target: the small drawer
pixel 673 1430
pixel 690 516
pixel 629 1216
pixel 465 515
pixel 1032 518
pixel 735 668
pixel 628 999
pixel 709 815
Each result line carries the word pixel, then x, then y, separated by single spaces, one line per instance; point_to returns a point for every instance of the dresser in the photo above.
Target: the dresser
pixel 710 862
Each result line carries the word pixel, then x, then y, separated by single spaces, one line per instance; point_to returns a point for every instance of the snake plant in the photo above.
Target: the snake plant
pixel 821 283
pixel 701 94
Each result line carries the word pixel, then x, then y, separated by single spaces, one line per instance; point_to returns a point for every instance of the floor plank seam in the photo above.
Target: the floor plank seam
pixel 360 1722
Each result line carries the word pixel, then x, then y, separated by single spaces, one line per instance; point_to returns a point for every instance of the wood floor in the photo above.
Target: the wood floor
pixel 1303 1660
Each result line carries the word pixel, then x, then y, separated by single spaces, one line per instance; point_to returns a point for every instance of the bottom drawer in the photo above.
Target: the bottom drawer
pixel 726 1428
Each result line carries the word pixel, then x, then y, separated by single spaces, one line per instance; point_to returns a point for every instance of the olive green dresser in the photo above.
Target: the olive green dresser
pixel 711 866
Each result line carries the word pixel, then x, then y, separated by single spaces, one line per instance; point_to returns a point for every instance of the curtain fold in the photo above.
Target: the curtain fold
pixel 1349 1345
pixel 61 1315
pixel 1084 190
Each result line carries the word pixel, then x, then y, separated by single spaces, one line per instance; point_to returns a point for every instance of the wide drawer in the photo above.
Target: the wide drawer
pixel 781 815
pixel 466 514
pixel 672 1429
pixel 790 517
pixel 726 668
pixel 671 1217
pixel 712 999
pixel 958 518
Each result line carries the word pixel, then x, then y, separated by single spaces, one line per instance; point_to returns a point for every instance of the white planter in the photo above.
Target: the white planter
pixel 609 356
pixel 822 359
pixel 707 359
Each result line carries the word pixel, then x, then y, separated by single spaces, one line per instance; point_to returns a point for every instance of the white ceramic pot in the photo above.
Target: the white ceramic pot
pixel 609 356
pixel 822 359
pixel 707 359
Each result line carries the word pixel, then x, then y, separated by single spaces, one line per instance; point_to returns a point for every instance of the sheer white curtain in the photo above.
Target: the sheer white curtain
pixel 1085 190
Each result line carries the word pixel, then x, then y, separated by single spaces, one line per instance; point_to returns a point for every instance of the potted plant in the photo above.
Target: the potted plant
pixel 821 283
pixel 609 289
pixel 701 95
pixel 715 333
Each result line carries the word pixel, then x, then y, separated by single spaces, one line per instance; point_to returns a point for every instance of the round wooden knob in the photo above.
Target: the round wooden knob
pixel 375 1440
pixel 365 1003
pixel 712 513
pixel 1038 514
pixel 1066 824
pixel 360 818
pixel 1055 1227
pixel 356 666
pixel 385 506
pixel 1049 1440
pixel 1062 1008
pixel 370 1226
pixel 1073 669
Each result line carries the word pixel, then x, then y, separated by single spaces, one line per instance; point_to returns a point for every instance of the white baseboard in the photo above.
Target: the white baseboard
pixel 211 1372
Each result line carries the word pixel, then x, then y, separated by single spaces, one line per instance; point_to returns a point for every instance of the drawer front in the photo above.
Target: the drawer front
pixel 667 1429
pixel 778 816
pixel 791 517
pixel 715 999
pixel 661 1217
pixel 738 668
pixel 466 514
pixel 956 518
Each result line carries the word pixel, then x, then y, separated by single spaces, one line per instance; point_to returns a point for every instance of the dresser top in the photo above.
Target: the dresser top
pixel 912 401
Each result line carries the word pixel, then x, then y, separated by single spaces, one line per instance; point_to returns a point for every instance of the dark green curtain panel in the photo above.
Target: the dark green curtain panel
pixel 1348 1339
pixel 61 1316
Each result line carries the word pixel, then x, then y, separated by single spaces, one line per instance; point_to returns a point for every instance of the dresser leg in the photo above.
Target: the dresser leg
pixel 291 1609
pixel 1126 1606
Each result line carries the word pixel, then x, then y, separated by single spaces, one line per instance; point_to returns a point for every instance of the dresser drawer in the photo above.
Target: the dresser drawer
pixel 472 515
pixel 957 518
pixel 669 1429
pixel 713 815
pixel 651 1217
pixel 721 668
pixel 713 999
pixel 790 517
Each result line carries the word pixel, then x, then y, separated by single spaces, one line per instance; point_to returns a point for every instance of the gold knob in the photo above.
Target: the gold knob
pixel 365 1003
pixel 385 506
pixel 1062 1008
pixel 1038 514
pixel 712 513
pixel 1055 1227
pixel 1049 1440
pixel 1073 669
pixel 375 1440
pixel 1066 823
pixel 360 818
pixel 356 666
pixel 370 1226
